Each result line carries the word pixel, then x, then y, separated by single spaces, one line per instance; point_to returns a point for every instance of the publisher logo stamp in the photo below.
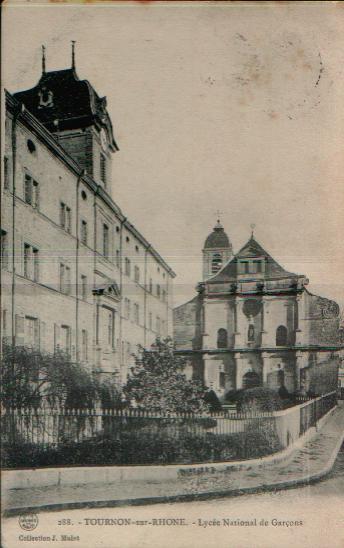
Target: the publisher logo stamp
pixel 28 522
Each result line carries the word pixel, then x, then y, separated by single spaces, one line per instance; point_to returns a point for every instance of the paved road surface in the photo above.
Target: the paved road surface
pixel 307 517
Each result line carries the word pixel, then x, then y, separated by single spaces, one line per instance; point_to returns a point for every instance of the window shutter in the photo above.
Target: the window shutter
pixel 56 337
pixel 28 189
pixel 42 335
pixel 62 214
pixel 19 335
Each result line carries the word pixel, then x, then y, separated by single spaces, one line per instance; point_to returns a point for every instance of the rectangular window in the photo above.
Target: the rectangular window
pixel 136 314
pixel 158 325
pixel 31 332
pixel 158 290
pixel 83 232
pixel 35 255
pixel 35 194
pixel 103 168
pixel 222 380
pixel 31 191
pixel 244 267
pixel 110 329
pixel 67 281
pixel 68 219
pixel 6 173
pixel 150 321
pixel 137 274
pixel 164 295
pixel 107 327
pixel 127 266
pixel 65 217
pixel 4 249
pixel 31 262
pixel 27 255
pixel 150 285
pixel 257 267
pixel 28 189
pixel 66 339
pixel 62 277
pixel 118 259
pixel 83 287
pixel 127 308
pixel 84 349
pixel 62 215
pixel 105 240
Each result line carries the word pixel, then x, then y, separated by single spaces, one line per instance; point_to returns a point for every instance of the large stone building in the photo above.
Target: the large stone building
pixel 76 274
pixel 253 323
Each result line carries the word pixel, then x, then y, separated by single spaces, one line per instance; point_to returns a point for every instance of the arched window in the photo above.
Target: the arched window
pixel 216 262
pixel 281 336
pixel 222 338
pixel 250 333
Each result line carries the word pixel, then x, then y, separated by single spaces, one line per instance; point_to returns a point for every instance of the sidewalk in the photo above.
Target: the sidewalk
pixel 308 464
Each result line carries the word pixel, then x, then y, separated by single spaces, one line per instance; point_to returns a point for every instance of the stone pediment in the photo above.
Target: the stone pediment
pixel 108 289
pixel 253 250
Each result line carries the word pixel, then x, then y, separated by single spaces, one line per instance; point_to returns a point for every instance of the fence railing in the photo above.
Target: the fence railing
pixel 56 427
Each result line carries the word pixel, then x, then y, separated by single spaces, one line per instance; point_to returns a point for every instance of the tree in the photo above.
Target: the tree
pixel 157 382
pixel 31 377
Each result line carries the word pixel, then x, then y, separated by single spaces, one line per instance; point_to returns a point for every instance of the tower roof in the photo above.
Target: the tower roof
pixel 61 101
pixel 217 238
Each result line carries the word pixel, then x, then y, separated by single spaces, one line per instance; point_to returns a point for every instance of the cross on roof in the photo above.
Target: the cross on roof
pixel 218 213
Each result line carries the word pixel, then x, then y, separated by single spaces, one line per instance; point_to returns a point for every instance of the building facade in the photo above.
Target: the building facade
pixel 252 323
pixel 76 274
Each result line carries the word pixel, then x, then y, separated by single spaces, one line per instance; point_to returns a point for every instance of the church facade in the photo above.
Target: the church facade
pixel 252 323
pixel 77 275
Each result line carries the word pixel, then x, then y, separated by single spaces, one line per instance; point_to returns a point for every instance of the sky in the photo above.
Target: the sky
pixel 236 107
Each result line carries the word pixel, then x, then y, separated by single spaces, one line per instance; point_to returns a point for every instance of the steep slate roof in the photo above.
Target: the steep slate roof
pixel 75 103
pixel 217 239
pixel 252 249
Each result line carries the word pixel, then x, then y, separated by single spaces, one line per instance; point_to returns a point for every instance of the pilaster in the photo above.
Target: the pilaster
pixel 300 331
pixel 240 324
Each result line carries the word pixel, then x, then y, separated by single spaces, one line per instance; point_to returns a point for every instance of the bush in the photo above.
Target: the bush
pixel 212 401
pixel 139 447
pixel 259 399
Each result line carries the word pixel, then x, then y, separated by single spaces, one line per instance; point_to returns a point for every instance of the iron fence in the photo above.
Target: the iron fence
pixel 135 430
pixel 59 425
pixel 315 409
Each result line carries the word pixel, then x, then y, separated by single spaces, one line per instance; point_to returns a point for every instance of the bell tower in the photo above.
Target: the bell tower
pixel 217 251
pixel 72 110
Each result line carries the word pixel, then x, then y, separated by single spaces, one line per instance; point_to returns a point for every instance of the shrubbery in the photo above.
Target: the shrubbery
pixel 255 400
pixel 166 444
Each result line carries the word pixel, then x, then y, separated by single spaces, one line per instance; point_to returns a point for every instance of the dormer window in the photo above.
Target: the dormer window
pixel 244 267
pixel 257 266
pixel 252 266
pixel 45 98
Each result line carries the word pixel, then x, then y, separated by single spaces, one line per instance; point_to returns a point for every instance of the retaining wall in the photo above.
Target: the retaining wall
pixel 29 478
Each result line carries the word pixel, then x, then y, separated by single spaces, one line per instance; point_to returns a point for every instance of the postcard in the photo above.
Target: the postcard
pixel 172 310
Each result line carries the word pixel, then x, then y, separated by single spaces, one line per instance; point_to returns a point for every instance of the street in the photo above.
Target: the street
pixel 306 516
